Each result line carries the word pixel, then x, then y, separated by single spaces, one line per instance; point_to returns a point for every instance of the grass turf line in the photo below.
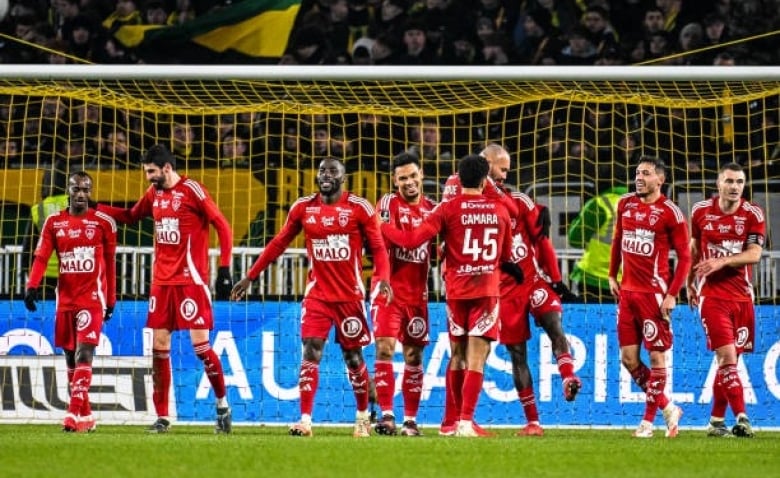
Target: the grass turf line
pixel 43 451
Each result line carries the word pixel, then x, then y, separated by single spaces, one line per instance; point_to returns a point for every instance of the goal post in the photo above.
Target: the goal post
pixel 253 136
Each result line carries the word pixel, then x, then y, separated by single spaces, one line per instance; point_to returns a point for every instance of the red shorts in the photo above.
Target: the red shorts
pixel 514 324
pixel 728 322
pixel 349 318
pixel 473 317
pixel 80 326
pixel 180 307
pixel 639 320
pixel 406 323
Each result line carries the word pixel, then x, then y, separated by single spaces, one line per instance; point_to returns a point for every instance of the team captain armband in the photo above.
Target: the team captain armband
pixel 755 239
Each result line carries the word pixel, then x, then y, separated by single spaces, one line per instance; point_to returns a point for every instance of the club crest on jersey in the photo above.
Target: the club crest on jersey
pixel 539 297
pixel 649 330
pixel 90 233
pixel 653 219
pixel 188 309
pixel 176 204
pixel 83 319
pixel 351 327
pixel 740 228
pixel 417 328
pixel 343 219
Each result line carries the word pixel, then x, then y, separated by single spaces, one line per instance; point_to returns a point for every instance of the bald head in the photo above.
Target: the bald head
pixel 499 161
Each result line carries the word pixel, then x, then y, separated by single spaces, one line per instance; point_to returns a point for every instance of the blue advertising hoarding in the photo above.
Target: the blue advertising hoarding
pixel 260 349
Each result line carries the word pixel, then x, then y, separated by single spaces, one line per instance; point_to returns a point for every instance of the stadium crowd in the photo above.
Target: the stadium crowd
pixel 430 32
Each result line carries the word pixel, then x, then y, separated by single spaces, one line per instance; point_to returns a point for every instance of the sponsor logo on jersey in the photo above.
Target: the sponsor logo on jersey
pixel 519 248
pixel 81 260
pixel 167 230
pixel 311 220
pixel 74 233
pixel 640 242
pixel 335 247
pixel 418 255
pixel 327 221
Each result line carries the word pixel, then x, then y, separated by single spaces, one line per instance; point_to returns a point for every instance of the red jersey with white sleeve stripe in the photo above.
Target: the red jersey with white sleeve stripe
pixel 524 237
pixel 477 238
pixel 334 242
pixel 718 234
pixel 645 234
pixel 182 214
pixel 86 248
pixel 408 267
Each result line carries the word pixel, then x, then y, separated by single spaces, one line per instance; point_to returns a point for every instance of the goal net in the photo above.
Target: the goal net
pixel 254 136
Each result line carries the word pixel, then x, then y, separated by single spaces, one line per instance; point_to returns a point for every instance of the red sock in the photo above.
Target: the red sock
pixel 472 385
pixel 212 366
pixel 79 394
pixel 640 376
pixel 384 381
pixel 655 389
pixel 358 377
pixel 411 387
pixel 528 401
pixel 719 399
pixel 453 386
pixel 161 377
pixel 565 365
pixel 308 381
pixel 732 387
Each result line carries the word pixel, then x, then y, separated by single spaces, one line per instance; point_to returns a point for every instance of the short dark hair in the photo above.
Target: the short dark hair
pixel 402 159
pixel 159 155
pixel 472 169
pixel 732 166
pixel 81 175
pixel 658 163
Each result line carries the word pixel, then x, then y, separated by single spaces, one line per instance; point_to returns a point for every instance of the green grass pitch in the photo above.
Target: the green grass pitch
pixel 31 451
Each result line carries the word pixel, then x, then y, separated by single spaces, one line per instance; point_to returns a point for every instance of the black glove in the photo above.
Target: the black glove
pixel 513 270
pixel 109 313
pixel 544 222
pixel 224 283
pixel 30 297
pixel 563 292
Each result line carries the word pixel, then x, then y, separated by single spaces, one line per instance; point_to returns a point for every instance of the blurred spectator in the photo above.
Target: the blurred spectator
pixel 10 157
pixel 416 49
pixel 157 12
pixel 599 31
pixel 385 50
pixel 362 53
pixel 125 13
pixel 82 37
pixel 495 50
pixel 310 46
pixel 579 50
pixel 690 39
pixel 436 160
pixel 539 38
pixel 234 150
pixel 461 49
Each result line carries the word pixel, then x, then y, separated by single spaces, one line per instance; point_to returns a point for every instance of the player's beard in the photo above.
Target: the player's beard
pixel 335 188
pixel 158 182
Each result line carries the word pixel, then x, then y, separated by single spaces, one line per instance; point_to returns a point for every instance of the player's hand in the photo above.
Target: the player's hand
pixel 513 270
pixel 109 313
pixel 239 290
pixel 30 297
pixel 382 287
pixel 566 295
pixel 693 297
pixel 614 287
pixel 224 283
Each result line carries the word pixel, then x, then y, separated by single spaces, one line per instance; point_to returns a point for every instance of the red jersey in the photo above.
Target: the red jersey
pixel 718 235
pixel 334 242
pixel 492 190
pixel 86 248
pixel 524 236
pixel 408 267
pixel 477 238
pixel 644 236
pixel 182 215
